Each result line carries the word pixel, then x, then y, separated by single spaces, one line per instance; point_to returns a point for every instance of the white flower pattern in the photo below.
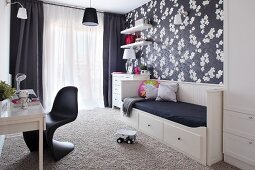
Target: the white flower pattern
pixel 192 51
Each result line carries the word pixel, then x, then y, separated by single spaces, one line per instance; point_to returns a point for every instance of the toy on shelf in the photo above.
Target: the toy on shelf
pixel 137 70
pixel 128 136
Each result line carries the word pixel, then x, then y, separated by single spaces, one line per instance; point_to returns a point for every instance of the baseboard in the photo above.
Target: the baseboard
pixel 2 137
pixel 215 160
pixel 237 163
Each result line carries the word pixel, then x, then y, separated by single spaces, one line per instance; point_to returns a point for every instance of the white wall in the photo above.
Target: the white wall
pixel 239 56
pixel 4 47
pixel 4 40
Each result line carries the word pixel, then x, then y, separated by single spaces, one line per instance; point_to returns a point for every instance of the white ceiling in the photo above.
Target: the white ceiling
pixel 113 6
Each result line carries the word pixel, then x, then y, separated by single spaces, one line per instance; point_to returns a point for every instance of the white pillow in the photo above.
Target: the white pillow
pixel 167 92
pixel 151 91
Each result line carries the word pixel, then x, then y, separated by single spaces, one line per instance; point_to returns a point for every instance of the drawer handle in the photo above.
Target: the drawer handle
pixel 179 138
pixel 149 125
pixel 250 143
pixel 251 117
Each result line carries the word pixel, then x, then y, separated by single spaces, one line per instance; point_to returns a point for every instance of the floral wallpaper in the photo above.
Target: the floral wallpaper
pixel 192 51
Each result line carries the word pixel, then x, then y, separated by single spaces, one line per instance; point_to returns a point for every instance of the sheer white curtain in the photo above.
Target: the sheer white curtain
pixel 72 56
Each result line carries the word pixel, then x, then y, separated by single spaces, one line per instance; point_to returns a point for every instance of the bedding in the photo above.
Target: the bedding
pixel 128 104
pixel 184 113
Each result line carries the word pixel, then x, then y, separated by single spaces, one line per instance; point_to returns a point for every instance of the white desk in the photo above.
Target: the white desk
pixel 20 120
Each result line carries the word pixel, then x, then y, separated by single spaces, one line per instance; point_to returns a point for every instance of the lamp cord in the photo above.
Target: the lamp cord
pixel 90 3
pixel 17 3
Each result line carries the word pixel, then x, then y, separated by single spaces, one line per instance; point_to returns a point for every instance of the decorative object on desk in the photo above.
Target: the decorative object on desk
pixel 6 92
pixel 90 17
pixel 22 12
pixel 31 101
pixel 129 54
pixel 23 95
pixel 144 69
pixel 137 70
pixel 129 39
pixel 19 78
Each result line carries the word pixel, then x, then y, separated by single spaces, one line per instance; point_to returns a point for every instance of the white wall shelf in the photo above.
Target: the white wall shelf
pixel 136 44
pixel 136 29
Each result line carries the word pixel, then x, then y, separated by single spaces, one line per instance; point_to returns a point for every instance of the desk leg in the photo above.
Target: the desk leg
pixel 41 145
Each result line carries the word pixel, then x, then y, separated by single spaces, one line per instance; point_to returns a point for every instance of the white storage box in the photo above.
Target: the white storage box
pixel 141 21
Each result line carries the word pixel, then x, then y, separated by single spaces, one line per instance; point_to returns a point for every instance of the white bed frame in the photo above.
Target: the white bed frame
pixel 203 144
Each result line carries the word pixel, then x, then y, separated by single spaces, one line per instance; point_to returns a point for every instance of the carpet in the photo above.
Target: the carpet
pixel 93 134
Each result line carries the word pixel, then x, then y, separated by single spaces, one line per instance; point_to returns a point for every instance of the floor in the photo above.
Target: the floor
pixel 93 134
pixel 1 143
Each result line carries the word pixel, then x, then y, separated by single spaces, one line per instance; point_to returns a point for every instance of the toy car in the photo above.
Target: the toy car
pixel 128 136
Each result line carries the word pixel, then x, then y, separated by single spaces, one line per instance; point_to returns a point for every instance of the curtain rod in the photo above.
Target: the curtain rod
pixel 67 6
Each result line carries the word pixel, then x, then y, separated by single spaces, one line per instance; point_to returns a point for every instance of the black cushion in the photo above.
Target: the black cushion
pixel 184 113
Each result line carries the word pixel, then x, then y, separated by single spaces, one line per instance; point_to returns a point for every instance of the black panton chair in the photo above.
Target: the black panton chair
pixel 64 110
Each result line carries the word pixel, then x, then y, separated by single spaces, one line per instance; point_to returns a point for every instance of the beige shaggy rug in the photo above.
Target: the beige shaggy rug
pixel 93 134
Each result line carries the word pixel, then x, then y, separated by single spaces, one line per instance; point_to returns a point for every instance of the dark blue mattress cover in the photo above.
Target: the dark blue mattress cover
pixel 184 113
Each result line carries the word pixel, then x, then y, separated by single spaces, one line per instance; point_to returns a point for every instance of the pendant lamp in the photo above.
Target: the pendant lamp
pixel 90 17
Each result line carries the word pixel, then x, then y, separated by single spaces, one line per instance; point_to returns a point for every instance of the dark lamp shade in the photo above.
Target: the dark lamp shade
pixel 90 17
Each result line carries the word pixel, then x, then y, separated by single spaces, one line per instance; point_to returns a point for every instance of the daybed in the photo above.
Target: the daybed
pixel 192 126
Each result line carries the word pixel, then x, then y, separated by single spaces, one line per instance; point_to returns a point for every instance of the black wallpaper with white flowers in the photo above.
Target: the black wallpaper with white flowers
pixel 191 52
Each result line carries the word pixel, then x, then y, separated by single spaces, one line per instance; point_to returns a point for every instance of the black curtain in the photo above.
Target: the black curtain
pixel 112 53
pixel 26 45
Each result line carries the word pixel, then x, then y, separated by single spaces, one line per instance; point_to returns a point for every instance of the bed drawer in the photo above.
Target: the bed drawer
pixel 239 148
pixel 183 140
pixel 151 125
